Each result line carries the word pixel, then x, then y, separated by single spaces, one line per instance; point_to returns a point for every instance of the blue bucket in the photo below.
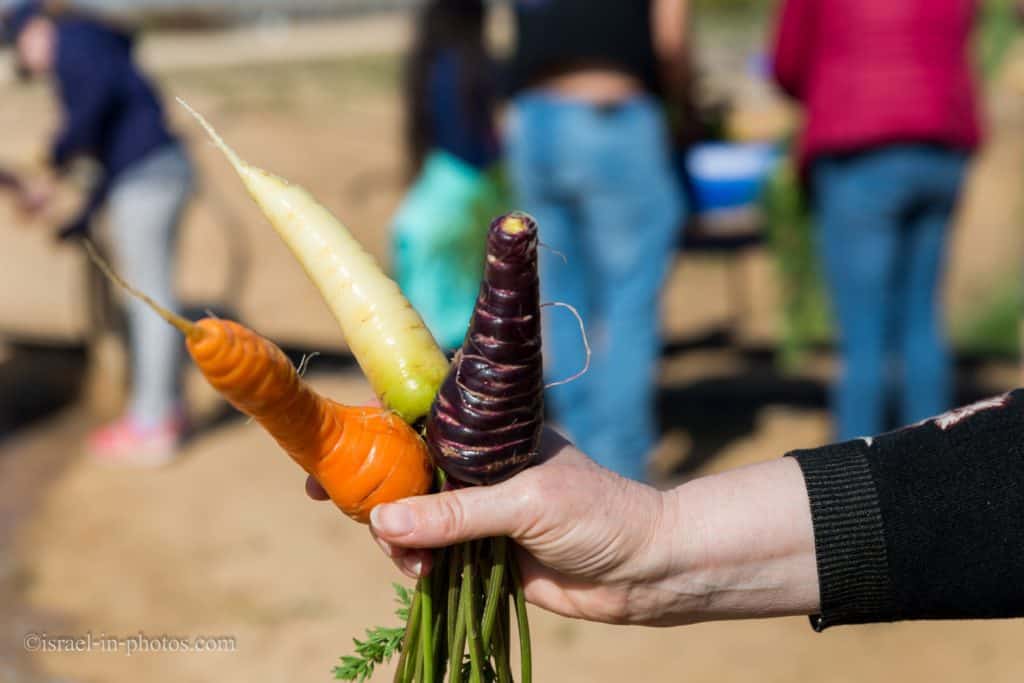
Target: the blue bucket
pixel 725 175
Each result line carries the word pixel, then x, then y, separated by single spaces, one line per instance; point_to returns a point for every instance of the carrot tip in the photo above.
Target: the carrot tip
pixel 218 141
pixel 512 225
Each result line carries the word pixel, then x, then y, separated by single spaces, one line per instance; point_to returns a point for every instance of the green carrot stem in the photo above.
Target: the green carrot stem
pixel 418 673
pixel 425 586
pixel 400 669
pixel 411 633
pixel 408 671
pixel 440 649
pixel 468 602
pixel 481 589
pixel 452 614
pixel 495 588
pixel 500 645
pixel 503 619
pixel 482 584
pixel 458 643
pixel 439 584
pixel 525 656
pixel 397 678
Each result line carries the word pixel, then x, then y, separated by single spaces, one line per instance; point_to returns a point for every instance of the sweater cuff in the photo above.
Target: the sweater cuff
pixel 849 538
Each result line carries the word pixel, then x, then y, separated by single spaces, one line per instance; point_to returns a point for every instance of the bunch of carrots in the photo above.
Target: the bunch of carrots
pixel 474 421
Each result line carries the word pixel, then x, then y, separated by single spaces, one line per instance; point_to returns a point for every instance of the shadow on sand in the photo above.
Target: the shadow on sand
pixel 715 411
pixel 720 409
pixel 36 381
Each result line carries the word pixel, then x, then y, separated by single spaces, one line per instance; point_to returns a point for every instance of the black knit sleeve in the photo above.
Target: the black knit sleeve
pixel 923 523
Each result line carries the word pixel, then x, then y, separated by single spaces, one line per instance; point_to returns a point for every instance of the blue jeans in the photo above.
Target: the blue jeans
pixel 600 183
pixel 884 217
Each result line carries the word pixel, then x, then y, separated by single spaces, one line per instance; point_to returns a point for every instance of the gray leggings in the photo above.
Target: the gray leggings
pixel 144 208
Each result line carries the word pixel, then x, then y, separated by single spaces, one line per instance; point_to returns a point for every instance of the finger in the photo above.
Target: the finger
pixel 412 563
pixel 314 490
pixel 394 552
pixel 542 586
pixel 471 513
pixel 415 563
pixel 451 517
pixel 564 595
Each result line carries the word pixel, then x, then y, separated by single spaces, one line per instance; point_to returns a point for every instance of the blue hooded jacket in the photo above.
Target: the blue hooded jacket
pixel 111 112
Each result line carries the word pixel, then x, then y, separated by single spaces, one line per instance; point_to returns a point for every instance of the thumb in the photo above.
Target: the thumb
pixel 449 517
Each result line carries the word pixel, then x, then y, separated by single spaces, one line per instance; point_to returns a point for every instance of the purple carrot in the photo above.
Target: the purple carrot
pixel 485 424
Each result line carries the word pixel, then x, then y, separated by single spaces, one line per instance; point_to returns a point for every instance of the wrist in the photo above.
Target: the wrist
pixel 737 544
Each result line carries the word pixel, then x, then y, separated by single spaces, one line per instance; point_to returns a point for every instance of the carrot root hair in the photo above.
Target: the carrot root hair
pixel 304 363
pixel 554 251
pixel 583 336
pixel 185 326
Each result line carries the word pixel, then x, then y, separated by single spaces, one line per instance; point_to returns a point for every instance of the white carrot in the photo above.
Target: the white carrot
pixel 396 352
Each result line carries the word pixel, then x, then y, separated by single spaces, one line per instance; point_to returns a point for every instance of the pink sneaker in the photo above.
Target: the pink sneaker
pixel 125 442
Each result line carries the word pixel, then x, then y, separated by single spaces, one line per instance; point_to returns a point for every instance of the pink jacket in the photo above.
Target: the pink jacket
pixel 876 72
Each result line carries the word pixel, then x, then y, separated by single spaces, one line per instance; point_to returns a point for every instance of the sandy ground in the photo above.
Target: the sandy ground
pixel 265 43
pixel 225 543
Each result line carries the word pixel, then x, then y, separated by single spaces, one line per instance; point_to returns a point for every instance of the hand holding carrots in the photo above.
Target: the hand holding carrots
pixel 733 545
pixel 571 565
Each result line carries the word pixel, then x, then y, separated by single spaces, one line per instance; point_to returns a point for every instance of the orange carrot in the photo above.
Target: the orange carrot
pixel 361 456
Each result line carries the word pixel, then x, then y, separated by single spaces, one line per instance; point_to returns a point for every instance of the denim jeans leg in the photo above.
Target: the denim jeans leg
pixel 927 373
pixel 927 364
pixel 632 216
pixel 858 224
pixel 536 168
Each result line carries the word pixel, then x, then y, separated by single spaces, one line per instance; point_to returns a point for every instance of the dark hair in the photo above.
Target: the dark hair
pixel 446 25
pixel 17 18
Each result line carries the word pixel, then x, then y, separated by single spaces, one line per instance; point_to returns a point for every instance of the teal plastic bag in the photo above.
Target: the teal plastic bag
pixel 438 239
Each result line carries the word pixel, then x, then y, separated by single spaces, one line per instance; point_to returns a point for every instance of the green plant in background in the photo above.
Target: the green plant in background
pixel 993 326
pixel 996 31
pixel 805 310
pixel 747 8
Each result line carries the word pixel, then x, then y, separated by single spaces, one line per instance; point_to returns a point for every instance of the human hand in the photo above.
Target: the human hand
pixel 580 559
pixel 595 546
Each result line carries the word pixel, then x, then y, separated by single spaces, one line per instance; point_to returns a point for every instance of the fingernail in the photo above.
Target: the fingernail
pixel 414 565
pixel 392 519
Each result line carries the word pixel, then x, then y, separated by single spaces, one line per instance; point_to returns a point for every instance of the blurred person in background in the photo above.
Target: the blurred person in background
pixel 112 113
pixel 590 158
pixel 891 122
pixel 440 229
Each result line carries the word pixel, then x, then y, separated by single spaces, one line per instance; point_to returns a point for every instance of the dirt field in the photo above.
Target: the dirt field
pixel 224 543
